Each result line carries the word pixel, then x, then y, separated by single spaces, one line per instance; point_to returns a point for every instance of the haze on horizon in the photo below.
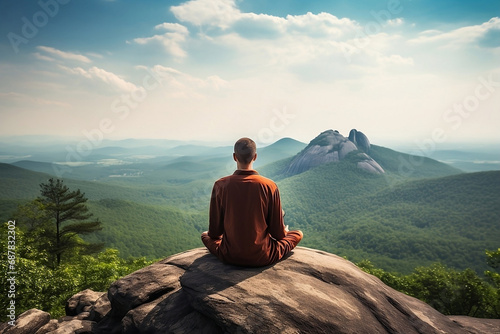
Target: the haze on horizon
pixel 400 71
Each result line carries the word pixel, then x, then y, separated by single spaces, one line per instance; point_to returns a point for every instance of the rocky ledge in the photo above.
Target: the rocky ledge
pixel 192 292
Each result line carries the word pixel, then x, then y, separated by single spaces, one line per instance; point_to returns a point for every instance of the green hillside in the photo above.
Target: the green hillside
pixel 409 166
pixel 398 227
pixel 282 149
pixel 19 183
pixel 151 221
pixel 420 211
pixel 146 230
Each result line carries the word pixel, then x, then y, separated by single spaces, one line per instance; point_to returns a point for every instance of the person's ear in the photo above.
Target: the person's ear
pixel 234 157
pixel 254 157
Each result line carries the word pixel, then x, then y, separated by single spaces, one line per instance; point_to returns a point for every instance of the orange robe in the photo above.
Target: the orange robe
pixel 246 224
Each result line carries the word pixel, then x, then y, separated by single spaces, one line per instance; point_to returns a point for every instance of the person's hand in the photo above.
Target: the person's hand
pixel 286 229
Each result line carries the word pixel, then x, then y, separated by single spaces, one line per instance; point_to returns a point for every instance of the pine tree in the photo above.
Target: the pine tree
pixel 64 206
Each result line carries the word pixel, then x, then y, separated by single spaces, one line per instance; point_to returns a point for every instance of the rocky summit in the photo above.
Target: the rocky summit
pixel 331 146
pixel 192 292
pixel 360 139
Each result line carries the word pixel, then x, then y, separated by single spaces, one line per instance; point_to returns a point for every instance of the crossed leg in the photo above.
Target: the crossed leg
pixel 283 246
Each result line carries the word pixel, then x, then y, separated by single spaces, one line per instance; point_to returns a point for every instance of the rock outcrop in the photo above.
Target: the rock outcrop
pixel 308 292
pixel 331 146
pixel 360 139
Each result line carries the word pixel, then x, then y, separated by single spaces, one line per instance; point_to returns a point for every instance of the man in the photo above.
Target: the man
pixel 246 224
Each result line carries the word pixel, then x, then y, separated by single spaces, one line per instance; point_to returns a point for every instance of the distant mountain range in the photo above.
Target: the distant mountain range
pixel 153 201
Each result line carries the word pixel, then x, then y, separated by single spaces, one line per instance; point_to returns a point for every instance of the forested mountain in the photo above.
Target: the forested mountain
pixel 398 226
pixel 417 212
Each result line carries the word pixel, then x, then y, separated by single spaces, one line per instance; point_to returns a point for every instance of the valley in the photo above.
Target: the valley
pixel 153 200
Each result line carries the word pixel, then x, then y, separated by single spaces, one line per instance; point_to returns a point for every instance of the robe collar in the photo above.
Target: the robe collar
pixel 245 172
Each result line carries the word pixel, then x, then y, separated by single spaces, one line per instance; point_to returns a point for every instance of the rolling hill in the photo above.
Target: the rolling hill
pixel 140 221
pixel 451 219
pixel 417 212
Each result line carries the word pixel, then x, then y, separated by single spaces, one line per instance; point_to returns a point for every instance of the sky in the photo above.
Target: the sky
pixel 423 72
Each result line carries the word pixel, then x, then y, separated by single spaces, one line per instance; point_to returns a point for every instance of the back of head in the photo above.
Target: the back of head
pixel 245 150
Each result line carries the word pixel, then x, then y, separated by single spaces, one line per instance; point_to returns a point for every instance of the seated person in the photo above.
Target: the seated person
pixel 246 224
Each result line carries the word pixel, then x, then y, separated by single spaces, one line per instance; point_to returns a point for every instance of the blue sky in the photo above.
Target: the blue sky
pixel 420 71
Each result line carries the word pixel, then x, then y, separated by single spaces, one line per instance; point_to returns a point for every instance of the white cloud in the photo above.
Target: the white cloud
pixel 311 45
pixel 38 55
pixel 77 71
pixel 216 13
pixel 295 42
pixel 458 37
pixel 225 15
pixel 320 25
pixel 219 64
pixel 396 60
pixel 110 79
pixel 174 27
pixel 171 40
pixel 250 25
pixel 63 54
pixel 395 22
pixel 174 82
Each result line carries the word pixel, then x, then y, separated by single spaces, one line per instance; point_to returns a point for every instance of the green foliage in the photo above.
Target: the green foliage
pixel 448 290
pixel 147 230
pixel 98 272
pixel 493 260
pixel 397 225
pixel 452 292
pixel 395 281
pixel 58 206
pixel 419 212
pixel 40 286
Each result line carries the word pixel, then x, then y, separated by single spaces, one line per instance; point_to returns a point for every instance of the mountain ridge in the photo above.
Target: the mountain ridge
pixel 323 198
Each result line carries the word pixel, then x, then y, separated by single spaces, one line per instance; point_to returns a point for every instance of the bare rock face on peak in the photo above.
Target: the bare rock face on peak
pixel 308 292
pixel 360 139
pixel 331 146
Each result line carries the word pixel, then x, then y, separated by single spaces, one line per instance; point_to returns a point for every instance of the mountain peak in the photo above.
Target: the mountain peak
pixel 328 138
pixel 361 141
pixel 331 146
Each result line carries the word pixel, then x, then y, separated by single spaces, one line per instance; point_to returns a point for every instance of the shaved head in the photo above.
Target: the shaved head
pixel 245 150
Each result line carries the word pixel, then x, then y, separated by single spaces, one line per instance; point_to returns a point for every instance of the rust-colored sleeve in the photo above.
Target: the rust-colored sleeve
pixel 216 216
pixel 275 216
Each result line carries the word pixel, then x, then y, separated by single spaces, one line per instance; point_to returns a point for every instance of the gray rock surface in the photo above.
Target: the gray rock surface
pixel 75 326
pixel 48 327
pixel 100 309
pixel 474 325
pixel 28 322
pixel 360 139
pixel 369 165
pixel 331 146
pixel 308 292
pixel 82 302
